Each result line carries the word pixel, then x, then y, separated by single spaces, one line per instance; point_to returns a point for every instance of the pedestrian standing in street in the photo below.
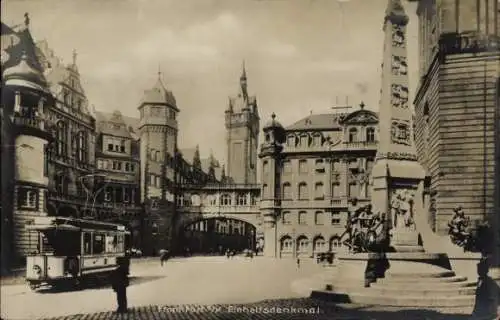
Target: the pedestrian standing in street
pixel 298 263
pixel 163 256
pixel 120 282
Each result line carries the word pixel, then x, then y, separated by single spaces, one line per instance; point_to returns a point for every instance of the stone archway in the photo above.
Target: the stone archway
pixel 215 235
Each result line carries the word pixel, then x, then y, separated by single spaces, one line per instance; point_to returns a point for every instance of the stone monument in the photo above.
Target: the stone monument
pixel 402 273
pixel 397 176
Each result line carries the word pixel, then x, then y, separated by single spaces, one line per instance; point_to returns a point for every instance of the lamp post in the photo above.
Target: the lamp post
pixel 294 245
pixel 252 234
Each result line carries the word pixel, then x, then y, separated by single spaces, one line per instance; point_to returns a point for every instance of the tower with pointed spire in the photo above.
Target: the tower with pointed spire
pixel 196 158
pixel 397 176
pixel 158 130
pixel 242 134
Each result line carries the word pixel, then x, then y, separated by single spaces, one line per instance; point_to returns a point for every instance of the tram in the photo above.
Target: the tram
pixel 70 251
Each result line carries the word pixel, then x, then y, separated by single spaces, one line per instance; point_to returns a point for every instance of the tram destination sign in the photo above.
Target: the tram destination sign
pixel 470 42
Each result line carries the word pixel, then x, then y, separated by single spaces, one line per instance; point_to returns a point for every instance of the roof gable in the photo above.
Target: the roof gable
pixel 326 121
pixel 361 117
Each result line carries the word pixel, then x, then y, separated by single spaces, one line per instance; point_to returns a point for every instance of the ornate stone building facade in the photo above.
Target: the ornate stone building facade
pixel 310 170
pixel 455 105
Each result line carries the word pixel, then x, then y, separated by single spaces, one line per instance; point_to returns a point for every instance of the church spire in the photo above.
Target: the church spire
pixel 223 178
pixel 243 82
pixel 196 158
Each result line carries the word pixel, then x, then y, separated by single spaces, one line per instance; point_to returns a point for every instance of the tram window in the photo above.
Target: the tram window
pixel 87 240
pixel 98 244
pixel 120 243
pixel 111 244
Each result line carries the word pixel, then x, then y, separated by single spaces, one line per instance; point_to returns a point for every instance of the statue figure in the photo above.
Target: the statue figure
pixel 402 209
pixel 458 227
pixel 367 232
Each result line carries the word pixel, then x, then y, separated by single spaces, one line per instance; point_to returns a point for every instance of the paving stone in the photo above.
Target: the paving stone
pixel 288 309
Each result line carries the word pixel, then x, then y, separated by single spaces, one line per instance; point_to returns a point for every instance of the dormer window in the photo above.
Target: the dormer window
pixel 353 135
pixel 317 141
pixel 370 134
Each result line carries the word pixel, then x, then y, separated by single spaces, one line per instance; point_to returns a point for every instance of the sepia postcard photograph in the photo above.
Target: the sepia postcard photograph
pixel 250 159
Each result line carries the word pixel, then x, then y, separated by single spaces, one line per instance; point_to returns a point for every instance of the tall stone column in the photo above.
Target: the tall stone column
pixel 397 175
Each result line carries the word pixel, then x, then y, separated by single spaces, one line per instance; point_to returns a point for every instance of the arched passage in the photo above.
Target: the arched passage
pixel 216 235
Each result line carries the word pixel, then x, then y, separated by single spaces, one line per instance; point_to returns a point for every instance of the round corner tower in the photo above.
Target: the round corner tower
pixel 25 96
pixel 270 205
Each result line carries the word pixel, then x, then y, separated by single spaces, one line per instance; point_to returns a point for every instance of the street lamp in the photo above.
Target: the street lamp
pixel 252 233
pixel 92 195
pixel 294 244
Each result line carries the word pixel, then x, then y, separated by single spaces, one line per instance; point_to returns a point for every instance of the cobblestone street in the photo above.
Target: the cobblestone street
pixel 196 280
pixel 200 288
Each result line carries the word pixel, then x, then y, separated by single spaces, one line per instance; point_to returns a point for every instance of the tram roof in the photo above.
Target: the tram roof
pixel 73 224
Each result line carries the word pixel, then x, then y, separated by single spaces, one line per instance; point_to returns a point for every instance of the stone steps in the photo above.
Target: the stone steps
pixel 404 286
pixel 368 297
pixel 419 275
pixel 427 280
pixel 437 292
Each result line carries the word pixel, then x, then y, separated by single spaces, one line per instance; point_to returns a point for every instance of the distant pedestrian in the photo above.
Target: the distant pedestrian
pixel 164 256
pixel 228 253
pixel 120 282
pixel 298 263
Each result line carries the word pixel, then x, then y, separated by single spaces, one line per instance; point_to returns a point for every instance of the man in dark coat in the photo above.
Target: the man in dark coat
pixel 164 256
pixel 120 282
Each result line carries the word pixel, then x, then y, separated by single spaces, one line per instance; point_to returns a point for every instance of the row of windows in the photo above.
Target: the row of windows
pixel 119 194
pixel 158 112
pixel 79 142
pixel 116 147
pixel 304 165
pixel 354 135
pixel 98 243
pixel 303 244
pixel 224 200
pixel 319 218
pixel 116 165
pixel 354 190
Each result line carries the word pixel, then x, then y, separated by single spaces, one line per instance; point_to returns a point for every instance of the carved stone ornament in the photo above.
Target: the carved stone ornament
pixel 363 178
pixel 400 132
pixel 399 66
pixel 398 36
pixel 335 176
pixel 399 96
pixel 401 156
pixel 402 208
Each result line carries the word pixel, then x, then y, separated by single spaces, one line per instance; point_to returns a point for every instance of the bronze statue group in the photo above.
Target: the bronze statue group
pixel 365 231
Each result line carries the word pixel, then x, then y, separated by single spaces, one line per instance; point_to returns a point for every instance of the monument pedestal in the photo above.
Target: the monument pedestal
pixel 403 279
pixel 406 240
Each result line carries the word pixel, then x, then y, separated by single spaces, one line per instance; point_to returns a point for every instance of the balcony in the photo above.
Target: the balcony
pixel 70 161
pixel 361 145
pixel 468 42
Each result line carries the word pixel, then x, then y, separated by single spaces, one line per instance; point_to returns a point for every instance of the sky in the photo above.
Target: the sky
pixel 301 56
